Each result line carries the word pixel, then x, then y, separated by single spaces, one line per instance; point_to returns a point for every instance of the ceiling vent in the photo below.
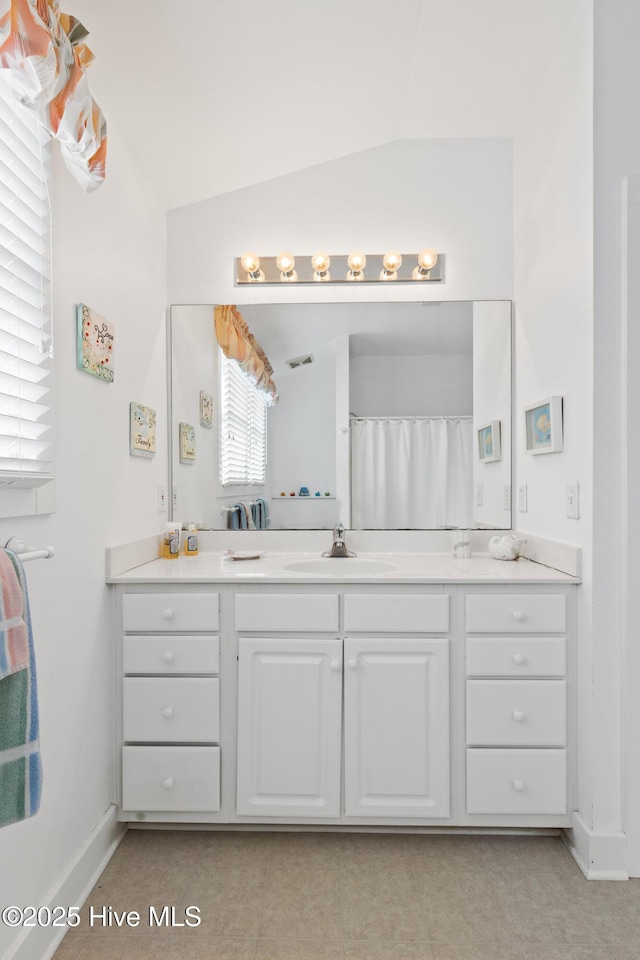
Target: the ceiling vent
pixel 300 361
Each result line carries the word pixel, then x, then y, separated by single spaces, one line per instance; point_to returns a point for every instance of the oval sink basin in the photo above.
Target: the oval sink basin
pixel 340 566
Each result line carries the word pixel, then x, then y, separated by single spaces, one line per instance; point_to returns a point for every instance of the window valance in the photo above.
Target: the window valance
pixel 45 58
pixel 238 343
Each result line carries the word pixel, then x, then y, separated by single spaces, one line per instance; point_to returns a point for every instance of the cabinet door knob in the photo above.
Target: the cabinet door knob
pixel 518 786
pixel 519 658
pixel 168 783
pixel 518 615
pixel 168 614
pixel 352 664
pixel 518 716
pixel 168 657
pixel 335 666
pixel 167 713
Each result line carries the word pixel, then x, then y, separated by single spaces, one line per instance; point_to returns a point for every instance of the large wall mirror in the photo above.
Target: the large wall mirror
pixel 391 415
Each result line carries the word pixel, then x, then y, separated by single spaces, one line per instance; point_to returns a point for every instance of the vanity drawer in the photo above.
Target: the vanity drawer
pixel 397 613
pixel 517 613
pixel 517 781
pixel 171 709
pixel 516 712
pixel 171 778
pixel 171 654
pixel 286 612
pixel 516 658
pixel 170 611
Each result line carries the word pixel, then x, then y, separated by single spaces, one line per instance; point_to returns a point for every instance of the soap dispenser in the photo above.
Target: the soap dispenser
pixel 171 541
pixel 191 541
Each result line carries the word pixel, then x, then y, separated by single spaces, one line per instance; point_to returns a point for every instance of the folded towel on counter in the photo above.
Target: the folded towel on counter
pixel 20 764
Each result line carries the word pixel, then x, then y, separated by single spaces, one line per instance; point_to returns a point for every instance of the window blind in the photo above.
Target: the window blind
pixel 25 313
pixel 243 428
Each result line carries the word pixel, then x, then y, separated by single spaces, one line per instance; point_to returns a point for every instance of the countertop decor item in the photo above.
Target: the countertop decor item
pixel 506 547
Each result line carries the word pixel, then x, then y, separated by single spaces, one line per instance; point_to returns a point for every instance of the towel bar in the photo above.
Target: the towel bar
pixel 25 552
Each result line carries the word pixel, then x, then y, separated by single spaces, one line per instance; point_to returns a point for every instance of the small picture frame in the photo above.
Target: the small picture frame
pixel 543 429
pixel 95 339
pixel 187 443
pixel 489 442
pixel 206 410
pixel 142 430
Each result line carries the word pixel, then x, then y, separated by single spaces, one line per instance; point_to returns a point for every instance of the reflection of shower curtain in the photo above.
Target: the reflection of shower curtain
pixel 411 473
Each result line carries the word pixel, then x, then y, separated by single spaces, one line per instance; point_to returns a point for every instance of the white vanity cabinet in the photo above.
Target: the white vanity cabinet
pixel 170 704
pixel 298 695
pixel 516 704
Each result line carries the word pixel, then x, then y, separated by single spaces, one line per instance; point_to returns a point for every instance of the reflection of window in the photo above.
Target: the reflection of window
pixel 243 427
pixel 25 340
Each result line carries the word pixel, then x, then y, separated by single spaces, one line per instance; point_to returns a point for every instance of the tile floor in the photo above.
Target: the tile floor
pixel 305 896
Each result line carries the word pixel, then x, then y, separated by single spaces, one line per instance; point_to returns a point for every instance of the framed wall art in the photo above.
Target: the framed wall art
pixel 206 410
pixel 142 430
pixel 489 441
pixel 95 339
pixel 543 426
pixel 187 443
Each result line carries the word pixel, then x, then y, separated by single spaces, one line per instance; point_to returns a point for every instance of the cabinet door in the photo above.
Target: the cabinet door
pixel 396 728
pixel 289 727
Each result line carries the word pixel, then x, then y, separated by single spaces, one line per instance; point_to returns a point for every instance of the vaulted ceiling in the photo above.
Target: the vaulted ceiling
pixel 213 95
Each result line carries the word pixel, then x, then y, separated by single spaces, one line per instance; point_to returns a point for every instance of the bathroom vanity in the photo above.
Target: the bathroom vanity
pixel 411 689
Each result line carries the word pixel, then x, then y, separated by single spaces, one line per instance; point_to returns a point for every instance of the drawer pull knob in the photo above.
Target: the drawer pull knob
pixel 335 666
pixel 519 658
pixel 351 665
pixel 168 614
pixel 518 615
pixel 167 713
pixel 518 786
pixel 168 657
pixel 168 783
pixel 518 716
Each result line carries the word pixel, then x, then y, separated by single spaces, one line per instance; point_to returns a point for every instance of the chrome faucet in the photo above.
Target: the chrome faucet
pixel 338 547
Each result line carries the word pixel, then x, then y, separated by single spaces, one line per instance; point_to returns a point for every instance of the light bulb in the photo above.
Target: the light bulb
pixel 285 262
pixel 391 263
pixel 427 259
pixel 251 263
pixel 356 262
pixel 321 263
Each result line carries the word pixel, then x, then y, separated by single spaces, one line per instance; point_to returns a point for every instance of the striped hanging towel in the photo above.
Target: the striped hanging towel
pixel 20 765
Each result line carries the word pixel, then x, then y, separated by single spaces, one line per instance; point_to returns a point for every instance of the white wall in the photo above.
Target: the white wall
pixel 553 243
pixel 453 195
pixel 616 156
pixel 109 252
pixel 426 386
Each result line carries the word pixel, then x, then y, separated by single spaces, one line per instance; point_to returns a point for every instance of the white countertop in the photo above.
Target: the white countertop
pixel 213 567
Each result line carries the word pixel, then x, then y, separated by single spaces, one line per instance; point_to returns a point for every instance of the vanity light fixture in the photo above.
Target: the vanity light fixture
pixel 391 267
pixel 356 262
pixel 427 260
pixel 321 263
pixel 391 263
pixel 251 263
pixel 286 262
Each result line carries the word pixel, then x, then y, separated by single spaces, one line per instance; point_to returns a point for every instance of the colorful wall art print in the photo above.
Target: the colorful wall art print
pixel 95 339
pixel 142 430
pixel 206 410
pixel 489 441
pixel 187 443
pixel 543 426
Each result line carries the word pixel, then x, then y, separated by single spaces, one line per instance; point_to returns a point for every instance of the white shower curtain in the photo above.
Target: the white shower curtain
pixel 411 473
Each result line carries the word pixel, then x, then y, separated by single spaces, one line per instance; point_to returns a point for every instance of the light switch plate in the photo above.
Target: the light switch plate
pixel 479 494
pixel 573 501
pixel 507 496
pixel 522 498
pixel 175 498
pixel 161 492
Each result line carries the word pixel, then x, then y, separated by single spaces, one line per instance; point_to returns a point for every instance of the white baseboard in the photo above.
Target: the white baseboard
pixel 40 943
pixel 600 856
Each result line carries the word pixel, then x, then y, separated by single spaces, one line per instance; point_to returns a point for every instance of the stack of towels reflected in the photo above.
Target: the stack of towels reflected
pixel 245 515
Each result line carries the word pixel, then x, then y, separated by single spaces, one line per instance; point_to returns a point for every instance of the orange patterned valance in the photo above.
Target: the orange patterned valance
pixel 44 59
pixel 238 343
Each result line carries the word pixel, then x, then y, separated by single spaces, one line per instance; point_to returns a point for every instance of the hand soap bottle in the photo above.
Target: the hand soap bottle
pixel 171 542
pixel 191 541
